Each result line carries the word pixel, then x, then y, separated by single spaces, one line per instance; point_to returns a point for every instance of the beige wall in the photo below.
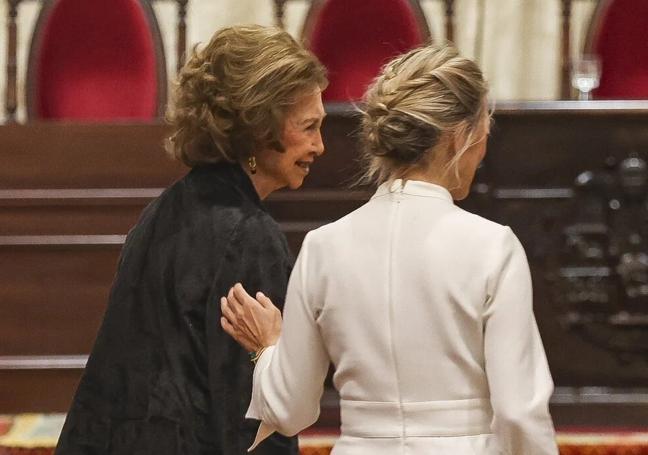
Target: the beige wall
pixel 519 53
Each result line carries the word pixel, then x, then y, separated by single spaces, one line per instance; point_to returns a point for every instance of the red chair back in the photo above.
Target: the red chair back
pixel 619 36
pixel 96 60
pixel 354 38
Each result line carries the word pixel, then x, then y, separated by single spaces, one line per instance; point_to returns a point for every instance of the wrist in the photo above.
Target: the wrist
pixel 256 355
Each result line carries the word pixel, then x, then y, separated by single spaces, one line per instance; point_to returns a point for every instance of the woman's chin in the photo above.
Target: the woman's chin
pixel 295 184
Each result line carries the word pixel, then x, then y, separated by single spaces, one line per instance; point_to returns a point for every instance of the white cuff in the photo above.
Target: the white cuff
pixel 255 410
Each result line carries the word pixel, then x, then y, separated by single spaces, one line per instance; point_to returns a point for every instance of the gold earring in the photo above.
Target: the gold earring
pixel 252 164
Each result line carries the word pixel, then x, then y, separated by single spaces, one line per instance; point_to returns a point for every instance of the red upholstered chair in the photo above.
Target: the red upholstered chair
pixel 619 36
pixel 354 38
pixel 96 60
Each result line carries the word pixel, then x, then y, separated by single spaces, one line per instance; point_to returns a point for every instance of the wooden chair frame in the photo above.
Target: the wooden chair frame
pixel 279 10
pixel 317 5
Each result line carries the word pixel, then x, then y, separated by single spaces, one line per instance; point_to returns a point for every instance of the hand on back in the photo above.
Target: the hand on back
pixel 253 323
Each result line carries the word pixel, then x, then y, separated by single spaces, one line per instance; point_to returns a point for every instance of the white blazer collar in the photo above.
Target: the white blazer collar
pixel 413 188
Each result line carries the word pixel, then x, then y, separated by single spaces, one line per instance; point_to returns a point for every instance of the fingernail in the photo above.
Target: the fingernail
pixel 260 294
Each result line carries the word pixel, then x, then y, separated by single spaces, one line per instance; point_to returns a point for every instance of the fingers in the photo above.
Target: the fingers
pixel 240 338
pixel 263 300
pixel 227 327
pixel 226 310
pixel 241 294
pixel 231 300
pixel 252 322
pixel 231 331
pixel 236 305
pixel 237 297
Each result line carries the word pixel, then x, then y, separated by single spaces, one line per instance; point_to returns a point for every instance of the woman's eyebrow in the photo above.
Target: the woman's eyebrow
pixel 313 119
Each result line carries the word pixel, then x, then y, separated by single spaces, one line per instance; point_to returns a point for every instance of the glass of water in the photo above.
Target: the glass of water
pixel 585 75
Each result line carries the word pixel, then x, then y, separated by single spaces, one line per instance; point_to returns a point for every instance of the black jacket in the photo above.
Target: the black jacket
pixel 163 378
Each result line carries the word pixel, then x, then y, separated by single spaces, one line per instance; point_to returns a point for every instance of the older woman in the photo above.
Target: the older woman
pixel 162 377
pixel 425 310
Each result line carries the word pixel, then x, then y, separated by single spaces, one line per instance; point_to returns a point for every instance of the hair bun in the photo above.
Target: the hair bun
pixel 418 98
pixel 389 134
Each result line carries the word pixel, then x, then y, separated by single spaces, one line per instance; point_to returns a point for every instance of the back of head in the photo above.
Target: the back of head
pixel 417 100
pixel 231 97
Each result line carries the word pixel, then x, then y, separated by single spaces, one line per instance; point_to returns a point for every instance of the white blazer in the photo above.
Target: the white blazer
pixel 426 312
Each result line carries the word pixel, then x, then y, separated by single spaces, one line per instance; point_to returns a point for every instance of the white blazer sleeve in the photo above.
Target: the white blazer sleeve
pixel 289 377
pixel 516 366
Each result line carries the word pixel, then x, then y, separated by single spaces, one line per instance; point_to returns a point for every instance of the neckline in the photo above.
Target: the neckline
pixel 413 188
pixel 233 173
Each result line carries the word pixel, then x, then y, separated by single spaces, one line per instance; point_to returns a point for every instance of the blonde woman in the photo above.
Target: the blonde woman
pixel 425 310
pixel 163 378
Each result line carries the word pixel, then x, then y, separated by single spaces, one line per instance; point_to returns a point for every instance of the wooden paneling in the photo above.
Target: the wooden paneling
pixel 69 193
pixel 22 214
pixel 53 294
pixel 548 148
pixel 59 155
pixel 40 390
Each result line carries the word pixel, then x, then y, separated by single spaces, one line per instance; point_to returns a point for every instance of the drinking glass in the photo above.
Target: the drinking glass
pixel 585 75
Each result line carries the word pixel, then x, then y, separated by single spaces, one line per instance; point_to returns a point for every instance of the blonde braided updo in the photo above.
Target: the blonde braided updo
pixel 232 96
pixel 417 98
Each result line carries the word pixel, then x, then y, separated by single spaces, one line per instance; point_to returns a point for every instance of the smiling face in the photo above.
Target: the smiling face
pixel 302 141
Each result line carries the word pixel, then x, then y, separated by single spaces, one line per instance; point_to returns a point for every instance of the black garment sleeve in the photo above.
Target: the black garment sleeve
pixel 257 256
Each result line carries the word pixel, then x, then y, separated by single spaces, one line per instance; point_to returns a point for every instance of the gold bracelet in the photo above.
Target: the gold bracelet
pixel 257 355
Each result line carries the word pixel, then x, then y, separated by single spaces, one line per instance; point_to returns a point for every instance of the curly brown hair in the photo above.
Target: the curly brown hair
pixel 231 97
